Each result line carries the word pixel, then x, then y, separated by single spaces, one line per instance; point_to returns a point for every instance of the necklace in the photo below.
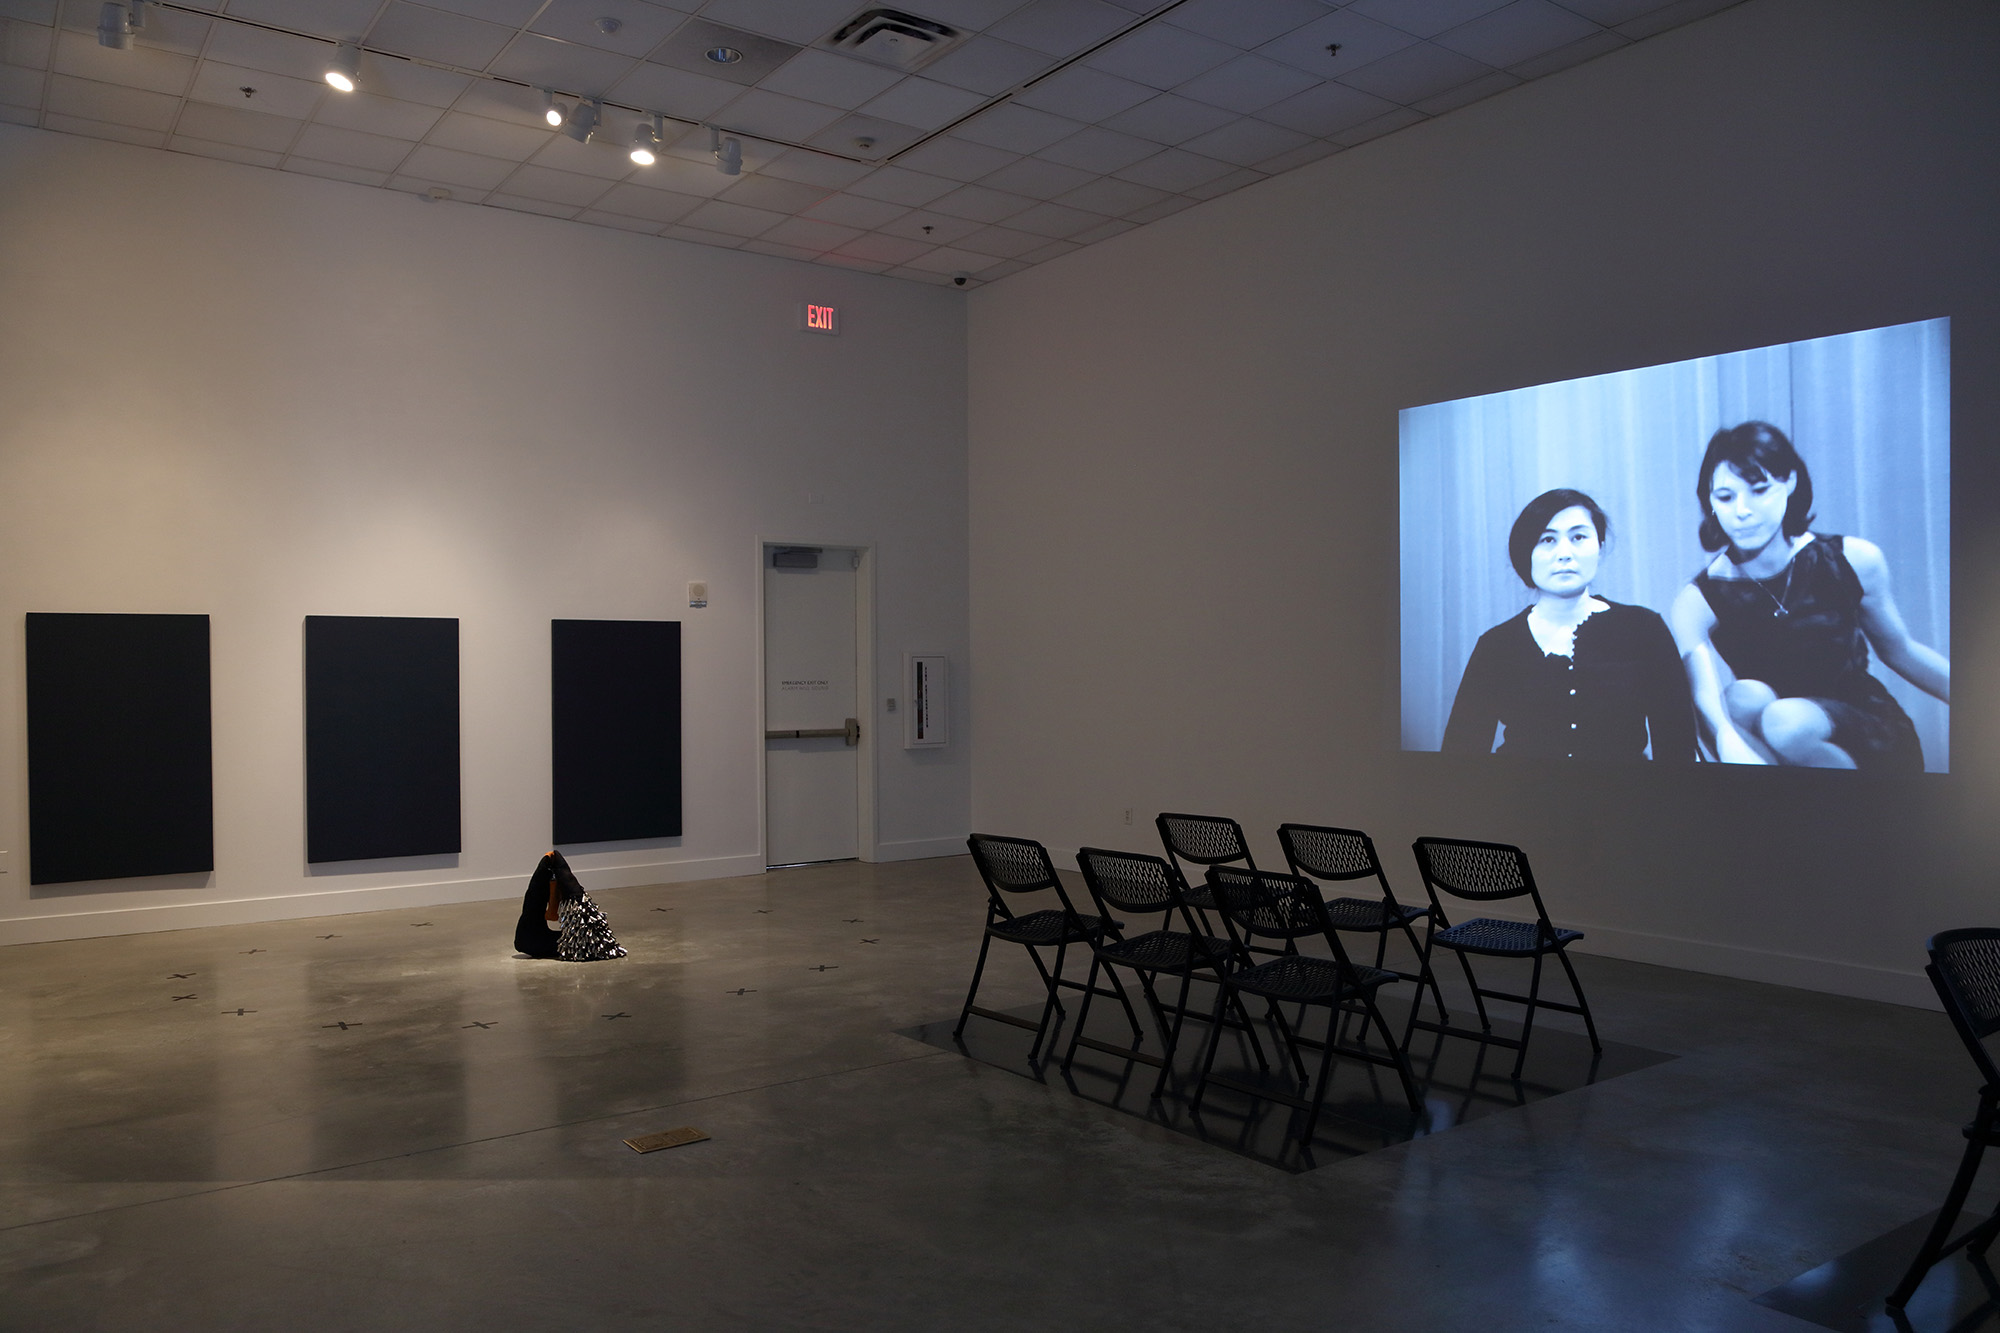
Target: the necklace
pixel 1775 598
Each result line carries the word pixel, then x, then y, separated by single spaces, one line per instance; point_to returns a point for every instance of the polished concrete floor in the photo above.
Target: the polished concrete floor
pixel 389 1121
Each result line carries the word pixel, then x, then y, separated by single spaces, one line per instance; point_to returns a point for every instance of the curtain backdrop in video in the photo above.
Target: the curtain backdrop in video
pixel 1790 607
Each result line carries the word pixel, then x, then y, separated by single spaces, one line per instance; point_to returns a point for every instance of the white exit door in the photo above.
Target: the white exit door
pixel 811 737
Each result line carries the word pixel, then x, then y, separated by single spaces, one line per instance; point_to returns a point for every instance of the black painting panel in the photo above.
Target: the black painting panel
pixel 118 747
pixel 615 703
pixel 381 737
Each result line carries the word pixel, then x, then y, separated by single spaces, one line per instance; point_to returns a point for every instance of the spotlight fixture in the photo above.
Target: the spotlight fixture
pixel 582 122
pixel 344 70
pixel 728 153
pixel 723 55
pixel 552 113
pixel 646 141
pixel 114 26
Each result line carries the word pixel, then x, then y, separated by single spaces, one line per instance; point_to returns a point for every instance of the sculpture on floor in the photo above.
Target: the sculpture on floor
pixel 558 919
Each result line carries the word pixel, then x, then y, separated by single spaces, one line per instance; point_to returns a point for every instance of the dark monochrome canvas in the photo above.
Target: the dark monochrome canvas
pixel 1742 558
pixel 381 737
pixel 118 747
pixel 615 697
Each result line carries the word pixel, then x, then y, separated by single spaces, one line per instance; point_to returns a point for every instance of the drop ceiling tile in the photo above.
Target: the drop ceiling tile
pixel 1169 119
pixel 1162 57
pixel 1222 185
pixel 1361 40
pixel 810 168
pixel 699 237
pixel 1565 56
pixel 811 234
pixel 335 171
pixel 947 260
pixel 448 166
pixel 987 65
pixel 1112 197
pixel 1248 23
pixel 1415 72
pixel 548 63
pixel 1049 250
pixel 1004 268
pixel 1521 31
pixel 42 12
pixel 556 187
pixel 249 157
pixel 174 30
pixel 1165 208
pixel 373 152
pixel 1099 151
pixel 1084 94
pixel 951 156
pixel 1104 231
pixel 852 210
pixel 1387 123
pixel 690 43
pixel 21 87
pixel 1614 12
pixel 274 94
pixel 799 21
pixel 777 251
pixel 341 20
pixel 771 116
pixel 733 219
pixel 88 100
pixel 597 218
pixel 684 177
pixel 1671 15
pixel 1245 142
pixel 431 34
pixel 1327 110
pixel 833 80
pixel 416 83
pixel 780 196
pixel 834 259
pixel 141 67
pixel 101 129
pixel 1001 242
pixel 1175 170
pixel 28 45
pixel 899 185
pixel 925 103
pixel 641 26
pixel 674 92
pixel 943 230
pixel 885 137
pixel 378 115
pixel 1017 129
pixel 1310 151
pixel 885 249
pixel 233 125
pixel 1424 18
pixel 1467 93
pixel 16 115
pixel 1247 84
pixel 979 204
pixel 521 204
pixel 1057 220
pixel 489 138
pixel 607 157
pixel 1039 179
pixel 273 52
pixel 1060 27
pixel 657 206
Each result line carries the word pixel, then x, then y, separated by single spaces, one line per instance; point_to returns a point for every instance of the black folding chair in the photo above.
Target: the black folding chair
pixel 1965 970
pixel 1267 905
pixel 1338 855
pixel 1134 884
pixel 1489 872
pixel 1204 841
pixel 1017 865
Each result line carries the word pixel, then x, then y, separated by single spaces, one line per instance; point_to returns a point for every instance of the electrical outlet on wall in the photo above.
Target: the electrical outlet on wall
pixel 1128 814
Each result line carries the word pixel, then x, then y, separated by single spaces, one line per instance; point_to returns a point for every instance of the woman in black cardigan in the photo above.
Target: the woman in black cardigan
pixel 1574 676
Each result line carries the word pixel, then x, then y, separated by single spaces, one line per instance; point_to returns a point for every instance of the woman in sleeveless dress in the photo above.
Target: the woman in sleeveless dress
pixel 1775 631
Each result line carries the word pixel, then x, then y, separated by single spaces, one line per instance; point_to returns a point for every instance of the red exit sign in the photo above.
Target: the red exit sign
pixel 820 318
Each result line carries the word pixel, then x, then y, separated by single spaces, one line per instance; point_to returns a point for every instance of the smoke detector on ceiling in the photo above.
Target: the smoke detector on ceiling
pixel 894 38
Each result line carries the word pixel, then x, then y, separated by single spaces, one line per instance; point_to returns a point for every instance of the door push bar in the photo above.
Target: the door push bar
pixel 851 733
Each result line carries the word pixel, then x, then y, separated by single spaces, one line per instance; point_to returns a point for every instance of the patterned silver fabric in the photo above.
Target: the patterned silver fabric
pixel 586 934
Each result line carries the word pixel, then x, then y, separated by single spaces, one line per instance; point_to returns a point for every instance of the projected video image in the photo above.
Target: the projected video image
pixel 1741 559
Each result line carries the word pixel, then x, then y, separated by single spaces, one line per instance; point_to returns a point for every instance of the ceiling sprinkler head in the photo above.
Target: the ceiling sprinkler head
pixel 864 141
pixel 608 25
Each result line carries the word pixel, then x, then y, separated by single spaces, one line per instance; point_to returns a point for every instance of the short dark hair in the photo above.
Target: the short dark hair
pixel 1534 520
pixel 1757 450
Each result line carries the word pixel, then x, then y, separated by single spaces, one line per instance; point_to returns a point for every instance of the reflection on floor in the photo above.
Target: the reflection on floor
pixel 1364 1111
pixel 1959 1295
pixel 387 1121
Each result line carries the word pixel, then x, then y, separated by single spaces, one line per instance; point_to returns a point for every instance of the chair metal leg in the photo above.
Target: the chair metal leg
pixel 1478 1001
pixel 1424 974
pixel 1173 1038
pixel 1137 1034
pixel 1209 1047
pixel 1396 1054
pixel 979 968
pixel 1934 1247
pixel 1049 1008
pixel 1576 989
pixel 1318 1090
pixel 1082 1011
pixel 1528 1019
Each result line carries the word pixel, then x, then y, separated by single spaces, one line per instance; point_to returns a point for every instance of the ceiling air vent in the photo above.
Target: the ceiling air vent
pixel 891 37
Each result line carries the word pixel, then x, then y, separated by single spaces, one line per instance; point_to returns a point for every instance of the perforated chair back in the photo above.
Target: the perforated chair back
pixel 1329 853
pixel 1965 970
pixel 1476 870
pixel 1268 905
pixel 1204 840
pixel 1015 865
pixel 1131 882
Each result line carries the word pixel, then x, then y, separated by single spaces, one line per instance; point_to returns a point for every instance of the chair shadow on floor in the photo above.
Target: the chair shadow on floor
pixel 1961 1294
pixel 1364 1110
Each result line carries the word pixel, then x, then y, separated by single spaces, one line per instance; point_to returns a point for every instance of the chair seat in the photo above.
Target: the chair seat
pixel 1166 951
pixel 1370 914
pixel 1046 927
pixel 1306 979
pixel 1485 935
pixel 1198 896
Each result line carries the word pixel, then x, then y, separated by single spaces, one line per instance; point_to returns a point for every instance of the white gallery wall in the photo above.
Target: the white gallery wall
pixel 261 396
pixel 1184 473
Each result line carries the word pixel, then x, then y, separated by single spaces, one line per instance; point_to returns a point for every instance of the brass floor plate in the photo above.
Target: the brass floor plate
pixel 666 1138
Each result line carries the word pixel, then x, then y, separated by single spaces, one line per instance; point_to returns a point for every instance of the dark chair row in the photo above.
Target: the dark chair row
pixel 1269 913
